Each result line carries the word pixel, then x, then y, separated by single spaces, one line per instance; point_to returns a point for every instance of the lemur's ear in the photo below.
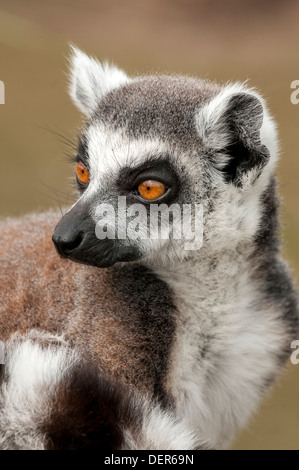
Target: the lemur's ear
pixel 237 133
pixel 90 80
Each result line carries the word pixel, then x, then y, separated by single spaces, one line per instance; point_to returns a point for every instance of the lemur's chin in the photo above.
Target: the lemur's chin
pixel 105 257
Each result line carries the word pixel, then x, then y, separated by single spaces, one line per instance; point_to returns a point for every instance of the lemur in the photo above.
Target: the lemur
pixel 139 343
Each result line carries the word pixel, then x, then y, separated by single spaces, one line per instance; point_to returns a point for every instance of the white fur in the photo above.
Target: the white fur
pixel 34 365
pixel 90 80
pixel 109 151
pixel 162 430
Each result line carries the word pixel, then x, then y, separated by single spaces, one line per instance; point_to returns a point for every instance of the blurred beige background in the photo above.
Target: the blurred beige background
pixel 231 40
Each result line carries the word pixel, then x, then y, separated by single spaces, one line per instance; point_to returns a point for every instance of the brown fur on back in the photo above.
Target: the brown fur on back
pixel 117 324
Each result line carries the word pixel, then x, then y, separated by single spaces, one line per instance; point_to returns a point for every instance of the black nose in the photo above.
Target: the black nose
pixel 67 243
pixel 73 231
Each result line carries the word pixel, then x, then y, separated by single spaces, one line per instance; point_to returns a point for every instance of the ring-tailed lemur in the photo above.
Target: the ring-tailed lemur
pixel 154 346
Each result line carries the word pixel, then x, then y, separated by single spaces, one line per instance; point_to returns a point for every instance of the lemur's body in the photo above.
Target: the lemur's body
pixel 203 332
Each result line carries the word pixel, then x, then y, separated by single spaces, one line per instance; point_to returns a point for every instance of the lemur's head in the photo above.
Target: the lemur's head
pixel 159 141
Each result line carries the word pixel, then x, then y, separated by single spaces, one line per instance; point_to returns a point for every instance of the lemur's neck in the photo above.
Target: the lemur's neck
pixel 209 275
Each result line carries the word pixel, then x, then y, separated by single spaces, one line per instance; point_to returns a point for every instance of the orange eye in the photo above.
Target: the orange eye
pixel 82 173
pixel 151 190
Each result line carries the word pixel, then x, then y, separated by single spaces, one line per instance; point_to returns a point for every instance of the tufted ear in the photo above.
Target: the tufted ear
pixel 90 80
pixel 237 133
